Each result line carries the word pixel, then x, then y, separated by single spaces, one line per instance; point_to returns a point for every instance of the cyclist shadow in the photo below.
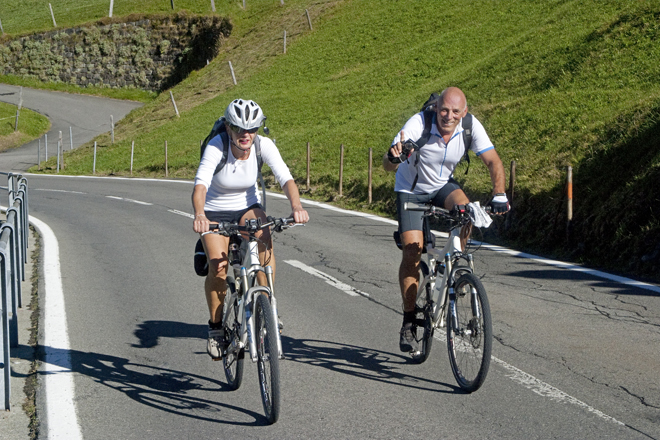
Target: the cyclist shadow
pixel 173 391
pixel 362 362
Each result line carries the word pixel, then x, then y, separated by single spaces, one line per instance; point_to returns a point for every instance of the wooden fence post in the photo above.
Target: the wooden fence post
pixel 46 145
pixel 61 149
pixel 59 144
pixel 341 169
pixel 166 171
pixel 233 77
pixel 52 15
pixel 309 20
pixel 369 178
pixel 18 109
pixel 132 150
pixel 309 162
pixel 176 110
pixel 213 5
pixel 285 41
pixel 569 205
pixel 70 138
pixel 112 129
pixel 1 28
pixel 94 165
pixel 111 5
pixel 512 181
pixel 39 155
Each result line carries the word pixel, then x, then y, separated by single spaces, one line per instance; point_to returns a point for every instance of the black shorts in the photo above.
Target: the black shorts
pixel 230 216
pixel 412 220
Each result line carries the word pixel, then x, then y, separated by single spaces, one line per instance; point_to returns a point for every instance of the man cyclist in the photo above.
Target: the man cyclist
pixel 232 195
pixel 426 176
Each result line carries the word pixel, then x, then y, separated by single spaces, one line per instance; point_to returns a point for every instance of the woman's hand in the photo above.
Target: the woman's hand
pixel 200 223
pixel 300 215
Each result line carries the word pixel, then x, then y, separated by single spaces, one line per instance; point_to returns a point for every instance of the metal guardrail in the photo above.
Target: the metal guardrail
pixel 13 257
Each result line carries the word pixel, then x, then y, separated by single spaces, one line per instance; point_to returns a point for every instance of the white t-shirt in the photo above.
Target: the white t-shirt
pixel 235 187
pixel 437 159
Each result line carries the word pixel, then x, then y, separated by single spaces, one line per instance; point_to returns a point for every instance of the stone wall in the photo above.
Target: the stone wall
pixel 147 52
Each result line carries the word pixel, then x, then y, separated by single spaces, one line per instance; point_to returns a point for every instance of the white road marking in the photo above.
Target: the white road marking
pixel 334 282
pixel 130 200
pixel 56 368
pixel 185 214
pixel 536 385
pixel 62 360
pixel 57 190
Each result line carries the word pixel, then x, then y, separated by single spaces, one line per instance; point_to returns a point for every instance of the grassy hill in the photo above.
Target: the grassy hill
pixel 31 125
pixel 556 83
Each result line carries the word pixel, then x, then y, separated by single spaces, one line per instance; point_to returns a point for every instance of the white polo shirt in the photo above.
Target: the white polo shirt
pixel 235 187
pixel 437 159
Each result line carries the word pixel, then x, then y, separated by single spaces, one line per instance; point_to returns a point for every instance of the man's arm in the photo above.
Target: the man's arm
pixel 395 150
pixel 496 170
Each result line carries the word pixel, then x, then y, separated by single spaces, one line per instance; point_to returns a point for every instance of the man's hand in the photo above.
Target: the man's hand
pixel 499 203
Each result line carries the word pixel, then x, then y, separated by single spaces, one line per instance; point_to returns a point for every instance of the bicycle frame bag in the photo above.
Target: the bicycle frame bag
pixel 200 261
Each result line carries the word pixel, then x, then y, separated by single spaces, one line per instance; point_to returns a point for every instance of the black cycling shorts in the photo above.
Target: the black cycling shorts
pixel 412 220
pixel 230 216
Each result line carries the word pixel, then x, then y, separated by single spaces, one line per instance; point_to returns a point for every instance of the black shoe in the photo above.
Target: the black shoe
pixel 408 340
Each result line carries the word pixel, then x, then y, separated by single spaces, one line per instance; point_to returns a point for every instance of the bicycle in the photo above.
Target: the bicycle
pixel 250 319
pixel 450 295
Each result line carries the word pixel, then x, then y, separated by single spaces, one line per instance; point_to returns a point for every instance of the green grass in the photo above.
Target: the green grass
pixel 31 125
pixel 556 83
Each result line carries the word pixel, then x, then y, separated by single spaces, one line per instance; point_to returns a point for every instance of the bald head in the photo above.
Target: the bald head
pixel 451 107
pixel 453 95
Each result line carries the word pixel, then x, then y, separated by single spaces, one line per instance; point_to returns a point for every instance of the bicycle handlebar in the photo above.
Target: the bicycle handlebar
pixel 458 213
pixel 253 225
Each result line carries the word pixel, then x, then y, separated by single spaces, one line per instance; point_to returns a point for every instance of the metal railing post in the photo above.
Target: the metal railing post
pixel 5 366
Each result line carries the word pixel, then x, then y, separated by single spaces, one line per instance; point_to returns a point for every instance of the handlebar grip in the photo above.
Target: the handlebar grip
pixel 410 206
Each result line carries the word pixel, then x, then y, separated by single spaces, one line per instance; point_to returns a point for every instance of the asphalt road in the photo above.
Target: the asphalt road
pixel 574 354
pixel 85 117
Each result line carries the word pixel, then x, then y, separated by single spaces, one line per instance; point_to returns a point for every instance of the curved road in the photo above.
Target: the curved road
pixel 574 355
pixel 86 116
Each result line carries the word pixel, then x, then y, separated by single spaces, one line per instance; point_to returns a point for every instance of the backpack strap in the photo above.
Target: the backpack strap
pixel 467 137
pixel 260 161
pixel 424 138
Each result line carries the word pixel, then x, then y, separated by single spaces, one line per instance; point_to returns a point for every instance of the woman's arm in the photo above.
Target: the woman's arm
pixel 200 222
pixel 297 211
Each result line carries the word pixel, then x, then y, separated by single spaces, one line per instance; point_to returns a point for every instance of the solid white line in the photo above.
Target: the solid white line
pixel 61 417
pixel 334 282
pixel 57 190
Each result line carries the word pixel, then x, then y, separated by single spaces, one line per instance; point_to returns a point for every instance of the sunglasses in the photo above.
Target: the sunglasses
pixel 240 130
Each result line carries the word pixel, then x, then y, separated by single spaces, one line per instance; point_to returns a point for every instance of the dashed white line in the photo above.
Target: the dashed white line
pixel 130 200
pixel 185 214
pixel 334 282
pixel 515 374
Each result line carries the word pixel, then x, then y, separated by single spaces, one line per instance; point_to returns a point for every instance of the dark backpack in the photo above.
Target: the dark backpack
pixel 428 110
pixel 219 128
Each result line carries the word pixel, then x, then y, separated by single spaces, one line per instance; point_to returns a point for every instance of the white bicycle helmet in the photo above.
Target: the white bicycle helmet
pixel 244 113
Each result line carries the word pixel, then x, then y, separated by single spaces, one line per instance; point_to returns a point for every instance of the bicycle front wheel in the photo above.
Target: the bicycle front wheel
pixel 470 333
pixel 232 360
pixel 267 357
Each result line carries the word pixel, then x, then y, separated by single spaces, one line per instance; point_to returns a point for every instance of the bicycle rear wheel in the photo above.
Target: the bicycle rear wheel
pixel 232 362
pixel 469 333
pixel 267 357
pixel 423 321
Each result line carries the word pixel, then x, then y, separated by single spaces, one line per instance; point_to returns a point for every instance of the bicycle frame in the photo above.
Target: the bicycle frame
pixel 244 277
pixel 442 289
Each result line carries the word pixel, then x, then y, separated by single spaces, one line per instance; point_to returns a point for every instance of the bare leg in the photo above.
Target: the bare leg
pixel 215 285
pixel 409 269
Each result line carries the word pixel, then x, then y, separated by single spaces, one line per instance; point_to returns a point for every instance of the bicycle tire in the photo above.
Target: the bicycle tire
pixel 470 347
pixel 424 320
pixel 268 364
pixel 232 363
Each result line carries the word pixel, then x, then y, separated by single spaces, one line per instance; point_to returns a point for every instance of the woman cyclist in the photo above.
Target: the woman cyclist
pixel 232 195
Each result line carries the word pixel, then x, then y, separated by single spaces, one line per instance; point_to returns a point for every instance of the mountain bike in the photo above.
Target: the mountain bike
pixel 250 319
pixel 451 296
